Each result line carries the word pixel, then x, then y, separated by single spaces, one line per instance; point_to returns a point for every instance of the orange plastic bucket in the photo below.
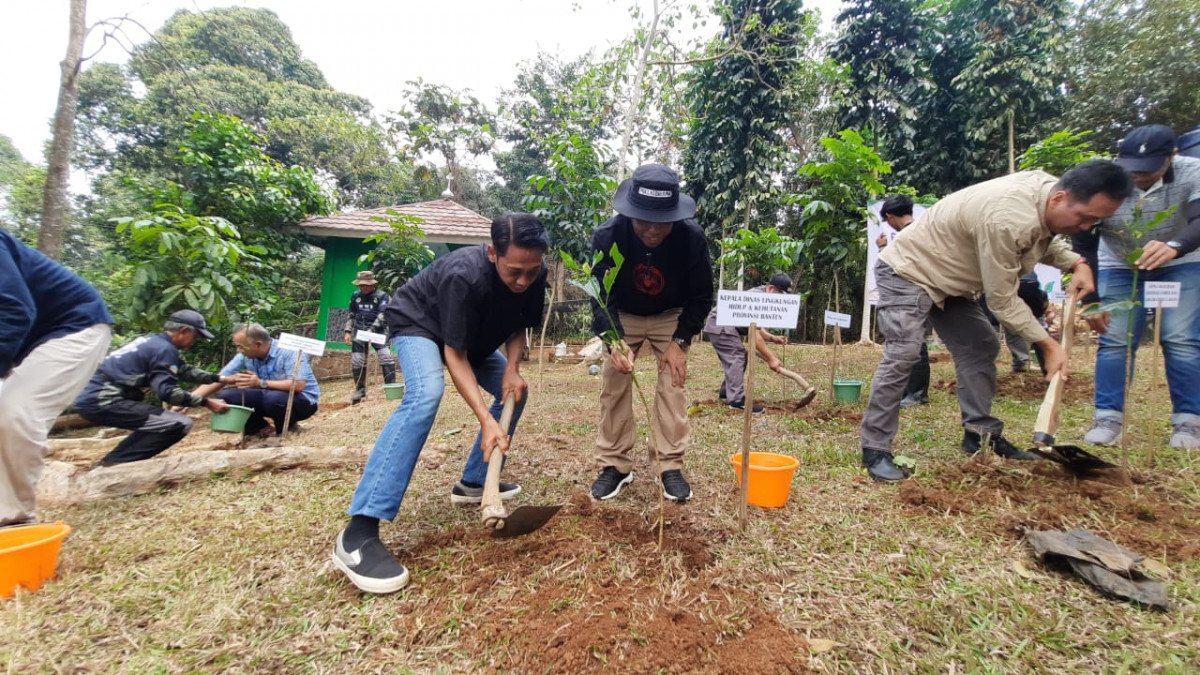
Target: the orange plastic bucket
pixel 28 555
pixel 770 477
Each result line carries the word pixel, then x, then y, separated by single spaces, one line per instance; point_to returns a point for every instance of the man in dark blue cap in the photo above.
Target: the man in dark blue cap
pixel 1163 180
pixel 114 395
pixel 659 299
pixel 727 341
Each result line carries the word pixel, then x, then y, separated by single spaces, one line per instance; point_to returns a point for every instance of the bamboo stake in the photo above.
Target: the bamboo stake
pixel 1154 350
pixel 744 488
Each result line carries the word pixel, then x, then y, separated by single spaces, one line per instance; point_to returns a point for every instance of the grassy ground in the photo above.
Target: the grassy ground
pixel 231 574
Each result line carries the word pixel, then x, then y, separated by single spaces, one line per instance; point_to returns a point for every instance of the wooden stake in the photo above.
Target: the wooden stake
pixel 1154 350
pixel 744 488
pixel 287 413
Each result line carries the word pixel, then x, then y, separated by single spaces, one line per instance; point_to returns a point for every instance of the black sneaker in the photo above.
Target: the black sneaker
pixel 610 482
pixel 372 568
pixel 741 405
pixel 880 466
pixel 469 493
pixel 675 486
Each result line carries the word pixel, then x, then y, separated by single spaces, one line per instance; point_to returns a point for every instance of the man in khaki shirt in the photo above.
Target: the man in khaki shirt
pixel 979 239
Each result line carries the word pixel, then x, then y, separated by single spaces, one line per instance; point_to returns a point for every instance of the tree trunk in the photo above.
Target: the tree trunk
pixel 58 164
pixel 1012 157
pixel 635 96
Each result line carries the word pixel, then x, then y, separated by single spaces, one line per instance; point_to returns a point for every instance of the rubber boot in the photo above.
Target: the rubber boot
pixel 389 372
pixel 360 385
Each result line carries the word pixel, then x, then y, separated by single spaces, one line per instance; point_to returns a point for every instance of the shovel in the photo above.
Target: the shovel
pixel 524 519
pixel 1076 460
pixel 810 391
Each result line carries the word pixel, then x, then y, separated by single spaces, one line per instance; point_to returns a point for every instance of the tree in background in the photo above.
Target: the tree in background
pixel 22 188
pixel 243 63
pixel 885 48
pixel 575 196
pixel 55 200
pixel 1012 77
pixel 1132 63
pixel 1058 152
pixel 741 96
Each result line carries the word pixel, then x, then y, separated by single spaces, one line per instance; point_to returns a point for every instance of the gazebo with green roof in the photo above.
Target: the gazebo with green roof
pixel 447 225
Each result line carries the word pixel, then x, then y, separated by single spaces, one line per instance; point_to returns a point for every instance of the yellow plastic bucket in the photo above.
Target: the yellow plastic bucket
pixel 770 477
pixel 28 555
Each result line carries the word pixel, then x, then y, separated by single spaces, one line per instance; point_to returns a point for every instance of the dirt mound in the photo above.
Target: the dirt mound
pixel 1030 386
pixel 813 411
pixel 1136 512
pixel 592 592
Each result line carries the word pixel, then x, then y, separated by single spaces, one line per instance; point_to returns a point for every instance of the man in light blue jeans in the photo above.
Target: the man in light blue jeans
pixel 458 311
pixel 1164 181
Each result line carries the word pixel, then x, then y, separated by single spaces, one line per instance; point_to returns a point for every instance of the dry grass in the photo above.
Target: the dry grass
pixel 231 574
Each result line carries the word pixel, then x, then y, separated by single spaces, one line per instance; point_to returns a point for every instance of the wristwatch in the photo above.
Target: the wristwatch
pixel 683 344
pixel 262 384
pixel 1174 244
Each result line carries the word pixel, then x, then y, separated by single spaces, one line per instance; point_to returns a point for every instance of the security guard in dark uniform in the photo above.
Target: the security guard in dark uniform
pixel 114 395
pixel 367 305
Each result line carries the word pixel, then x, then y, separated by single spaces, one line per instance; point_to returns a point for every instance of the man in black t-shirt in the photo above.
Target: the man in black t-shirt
pixel 456 312
pixel 660 298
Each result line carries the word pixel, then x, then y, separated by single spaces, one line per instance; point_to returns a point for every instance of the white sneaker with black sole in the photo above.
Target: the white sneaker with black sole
pixel 371 567
pixel 462 493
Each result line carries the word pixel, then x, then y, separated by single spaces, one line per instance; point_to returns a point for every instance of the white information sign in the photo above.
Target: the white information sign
pixel 373 338
pixel 767 310
pixel 1162 294
pixel 309 346
pixel 836 319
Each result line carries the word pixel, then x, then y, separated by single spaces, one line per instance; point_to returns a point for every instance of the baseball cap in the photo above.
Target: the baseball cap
pixel 781 281
pixel 192 318
pixel 1189 142
pixel 1145 148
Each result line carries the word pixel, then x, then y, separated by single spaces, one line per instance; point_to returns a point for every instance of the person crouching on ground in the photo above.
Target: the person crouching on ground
pixel 262 371
pixel 727 342
pixel 114 395
pixel 456 312
pixel 981 238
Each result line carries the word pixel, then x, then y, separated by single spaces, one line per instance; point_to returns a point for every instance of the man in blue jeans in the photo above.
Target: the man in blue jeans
pixel 458 311
pixel 1163 180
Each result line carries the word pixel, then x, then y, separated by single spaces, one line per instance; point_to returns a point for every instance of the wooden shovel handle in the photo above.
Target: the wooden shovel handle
pixel 493 507
pixel 1047 419
pixel 795 377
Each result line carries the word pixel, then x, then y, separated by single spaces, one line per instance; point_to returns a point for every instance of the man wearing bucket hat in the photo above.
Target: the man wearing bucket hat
pixel 366 305
pixel 1163 181
pixel 114 395
pixel 54 330
pixel 979 239
pixel 727 342
pixel 261 373
pixel 659 300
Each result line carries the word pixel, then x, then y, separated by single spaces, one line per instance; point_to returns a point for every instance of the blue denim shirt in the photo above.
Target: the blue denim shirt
pixel 278 366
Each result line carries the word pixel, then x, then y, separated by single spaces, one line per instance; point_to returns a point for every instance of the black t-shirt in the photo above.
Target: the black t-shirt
pixel 460 301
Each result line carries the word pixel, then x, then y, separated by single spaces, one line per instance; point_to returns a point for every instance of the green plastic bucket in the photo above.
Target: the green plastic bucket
pixel 847 391
pixel 233 420
pixel 394 392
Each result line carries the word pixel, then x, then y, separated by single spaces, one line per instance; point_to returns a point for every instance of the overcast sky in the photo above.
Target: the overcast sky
pixel 365 47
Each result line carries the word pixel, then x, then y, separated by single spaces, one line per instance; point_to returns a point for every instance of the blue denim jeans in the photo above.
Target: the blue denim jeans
pixel 390 466
pixel 1180 340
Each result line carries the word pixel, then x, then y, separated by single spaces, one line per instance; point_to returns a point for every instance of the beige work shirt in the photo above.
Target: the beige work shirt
pixel 983 238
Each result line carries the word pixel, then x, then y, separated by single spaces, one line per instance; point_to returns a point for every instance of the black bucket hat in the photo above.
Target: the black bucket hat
pixel 652 194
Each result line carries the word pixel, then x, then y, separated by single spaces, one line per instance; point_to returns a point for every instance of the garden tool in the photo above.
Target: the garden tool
pixel 524 519
pixel 810 392
pixel 1076 460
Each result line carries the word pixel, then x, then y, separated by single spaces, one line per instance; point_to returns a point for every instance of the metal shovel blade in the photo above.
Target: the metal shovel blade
pixel 807 398
pixel 1075 459
pixel 526 519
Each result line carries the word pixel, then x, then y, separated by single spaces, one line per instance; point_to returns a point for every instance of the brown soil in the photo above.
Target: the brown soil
pixel 1043 496
pixel 531 619
pixel 1029 386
